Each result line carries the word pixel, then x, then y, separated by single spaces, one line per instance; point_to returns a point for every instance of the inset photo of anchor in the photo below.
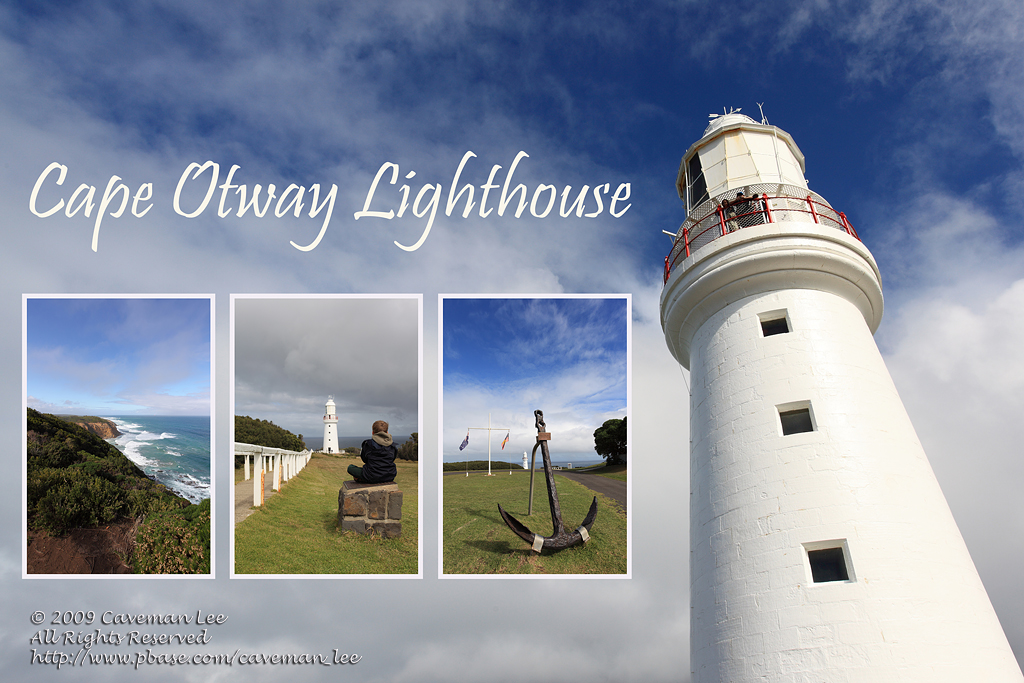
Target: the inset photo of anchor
pixel 534 436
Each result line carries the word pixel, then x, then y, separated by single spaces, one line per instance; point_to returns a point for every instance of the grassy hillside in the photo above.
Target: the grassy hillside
pixel 100 426
pixel 76 480
pixel 83 418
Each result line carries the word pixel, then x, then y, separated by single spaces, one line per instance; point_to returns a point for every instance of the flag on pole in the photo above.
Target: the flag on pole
pixel 504 442
pixel 465 442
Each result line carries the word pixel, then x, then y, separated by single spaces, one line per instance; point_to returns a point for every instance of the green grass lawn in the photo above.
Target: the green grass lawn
pixel 611 471
pixel 477 541
pixel 296 530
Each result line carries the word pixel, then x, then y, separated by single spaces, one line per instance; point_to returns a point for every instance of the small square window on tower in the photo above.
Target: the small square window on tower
pixel 828 561
pixel 796 418
pixel 774 322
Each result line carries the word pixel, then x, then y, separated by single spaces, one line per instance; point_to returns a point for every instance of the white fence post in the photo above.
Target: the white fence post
pixel 257 487
pixel 282 465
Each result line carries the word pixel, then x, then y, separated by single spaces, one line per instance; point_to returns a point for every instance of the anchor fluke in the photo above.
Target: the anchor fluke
pixel 559 541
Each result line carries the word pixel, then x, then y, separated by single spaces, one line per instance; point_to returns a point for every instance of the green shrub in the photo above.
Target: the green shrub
pixel 65 499
pixel 174 542
pixel 76 479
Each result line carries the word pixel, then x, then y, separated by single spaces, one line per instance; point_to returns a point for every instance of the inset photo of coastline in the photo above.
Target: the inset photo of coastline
pixel 327 409
pixel 118 435
pixel 535 414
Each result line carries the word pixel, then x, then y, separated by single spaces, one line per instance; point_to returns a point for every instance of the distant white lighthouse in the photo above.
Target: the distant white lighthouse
pixel 822 548
pixel 330 427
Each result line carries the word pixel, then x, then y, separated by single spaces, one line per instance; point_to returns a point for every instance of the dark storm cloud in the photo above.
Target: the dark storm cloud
pixel 291 354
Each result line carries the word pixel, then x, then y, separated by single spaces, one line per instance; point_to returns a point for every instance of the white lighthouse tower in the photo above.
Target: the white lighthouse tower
pixel 330 427
pixel 822 548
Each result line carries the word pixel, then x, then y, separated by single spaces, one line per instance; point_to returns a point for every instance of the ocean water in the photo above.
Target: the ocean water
pixel 174 450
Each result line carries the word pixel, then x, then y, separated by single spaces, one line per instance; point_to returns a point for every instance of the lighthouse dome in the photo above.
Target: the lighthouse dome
pixel 722 120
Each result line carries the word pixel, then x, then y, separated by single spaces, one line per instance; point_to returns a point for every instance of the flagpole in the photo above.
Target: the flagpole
pixel 489 429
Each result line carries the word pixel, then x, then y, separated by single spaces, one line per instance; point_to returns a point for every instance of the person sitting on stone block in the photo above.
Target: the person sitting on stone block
pixel 378 456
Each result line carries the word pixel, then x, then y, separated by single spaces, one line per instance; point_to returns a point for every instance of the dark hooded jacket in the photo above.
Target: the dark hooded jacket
pixel 379 455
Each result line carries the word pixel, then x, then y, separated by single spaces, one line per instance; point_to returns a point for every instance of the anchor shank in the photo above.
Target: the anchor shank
pixel 533 468
pixel 549 475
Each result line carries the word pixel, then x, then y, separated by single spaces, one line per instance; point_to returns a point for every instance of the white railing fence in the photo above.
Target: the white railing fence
pixel 281 464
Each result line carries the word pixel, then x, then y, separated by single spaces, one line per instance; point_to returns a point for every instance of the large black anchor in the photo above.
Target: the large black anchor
pixel 559 539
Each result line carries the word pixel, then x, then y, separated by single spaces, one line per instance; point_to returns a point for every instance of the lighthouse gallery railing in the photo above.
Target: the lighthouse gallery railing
pixel 772 203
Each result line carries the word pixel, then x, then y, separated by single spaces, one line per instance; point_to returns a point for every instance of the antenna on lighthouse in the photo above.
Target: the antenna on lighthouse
pixel 725 113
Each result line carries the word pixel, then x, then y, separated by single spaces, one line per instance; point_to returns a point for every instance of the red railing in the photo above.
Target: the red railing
pixel 723 217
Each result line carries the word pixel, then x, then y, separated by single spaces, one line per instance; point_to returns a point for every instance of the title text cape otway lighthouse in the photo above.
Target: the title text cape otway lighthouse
pixel 821 547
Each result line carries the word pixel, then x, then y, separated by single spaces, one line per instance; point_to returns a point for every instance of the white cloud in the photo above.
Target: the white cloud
pixel 953 347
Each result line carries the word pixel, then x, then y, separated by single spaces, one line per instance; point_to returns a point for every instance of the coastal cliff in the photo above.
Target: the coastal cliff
pixel 101 427
pixel 92 510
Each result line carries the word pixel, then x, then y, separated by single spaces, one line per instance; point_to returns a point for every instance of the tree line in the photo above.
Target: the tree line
pixel 264 433
pixel 410 449
pixel 610 441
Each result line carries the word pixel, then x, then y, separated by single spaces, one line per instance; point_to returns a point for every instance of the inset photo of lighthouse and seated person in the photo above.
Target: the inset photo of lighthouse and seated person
pixel 535 415
pixel 326 396
pixel 118 474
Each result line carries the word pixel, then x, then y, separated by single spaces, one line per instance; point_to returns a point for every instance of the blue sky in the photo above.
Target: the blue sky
pixel 506 357
pixel 118 356
pixel 910 116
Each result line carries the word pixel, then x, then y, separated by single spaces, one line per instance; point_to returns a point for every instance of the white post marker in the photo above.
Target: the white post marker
pixel 257 489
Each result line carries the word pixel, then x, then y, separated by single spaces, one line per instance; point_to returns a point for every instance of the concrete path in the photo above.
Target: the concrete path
pixel 613 488
pixel 243 496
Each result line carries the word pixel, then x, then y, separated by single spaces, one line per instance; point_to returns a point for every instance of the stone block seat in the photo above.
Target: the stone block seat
pixel 365 508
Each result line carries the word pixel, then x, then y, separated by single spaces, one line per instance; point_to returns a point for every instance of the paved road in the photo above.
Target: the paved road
pixel 613 488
